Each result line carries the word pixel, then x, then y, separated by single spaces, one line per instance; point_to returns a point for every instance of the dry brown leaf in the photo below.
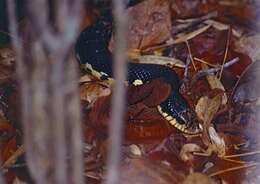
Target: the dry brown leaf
pixel 85 78
pixel 180 38
pixel 7 56
pixel 248 87
pixel 217 143
pixel 6 74
pixel 13 158
pixel 149 24
pixel 160 60
pixel 142 171
pixel 221 26
pixel 198 178
pixel 215 83
pixel 250 46
pixel 185 37
pixel 187 150
pixel 206 109
pixel 201 107
pixel 18 181
pixel 91 91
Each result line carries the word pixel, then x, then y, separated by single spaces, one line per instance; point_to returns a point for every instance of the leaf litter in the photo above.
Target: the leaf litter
pixel 166 32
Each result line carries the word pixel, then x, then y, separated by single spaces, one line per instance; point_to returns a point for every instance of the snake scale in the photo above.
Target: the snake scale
pixel 92 52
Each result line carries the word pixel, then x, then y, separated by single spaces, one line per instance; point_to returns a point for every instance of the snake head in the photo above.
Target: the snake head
pixel 190 120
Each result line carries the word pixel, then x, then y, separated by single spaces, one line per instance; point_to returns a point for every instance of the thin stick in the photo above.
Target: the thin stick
pixel 227 159
pixel 214 70
pixel 235 161
pixel 12 159
pixel 118 99
pixel 187 67
pixel 190 54
pixel 205 62
pixel 201 154
pixel 243 154
pixel 232 169
pixel 189 23
pixel 226 51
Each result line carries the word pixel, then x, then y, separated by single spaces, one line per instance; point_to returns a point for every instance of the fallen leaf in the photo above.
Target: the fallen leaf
pixel 7 57
pixel 248 87
pixel 147 171
pixel 250 46
pixel 187 150
pixel 7 74
pixel 161 60
pixel 206 110
pixel 198 178
pixel 215 83
pixel 149 23
pixel 91 91
pixel 217 143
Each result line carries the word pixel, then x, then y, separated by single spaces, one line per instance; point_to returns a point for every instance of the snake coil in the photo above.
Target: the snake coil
pixel 92 51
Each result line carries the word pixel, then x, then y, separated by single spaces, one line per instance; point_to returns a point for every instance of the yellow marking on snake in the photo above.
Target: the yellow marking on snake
pixel 138 82
pixel 173 121
pixel 169 118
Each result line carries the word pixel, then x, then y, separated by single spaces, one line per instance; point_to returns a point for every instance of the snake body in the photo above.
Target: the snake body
pixel 92 51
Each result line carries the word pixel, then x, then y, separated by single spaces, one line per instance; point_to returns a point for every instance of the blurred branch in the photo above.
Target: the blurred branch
pixel 118 100
pixel 48 85
pixel 1 179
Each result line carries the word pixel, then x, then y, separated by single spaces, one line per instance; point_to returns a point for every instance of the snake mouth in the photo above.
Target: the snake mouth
pixel 187 121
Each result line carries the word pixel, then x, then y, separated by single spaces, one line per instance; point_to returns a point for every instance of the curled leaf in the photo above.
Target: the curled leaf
pixel 217 143
pixel 206 109
pixel 187 150
pixel 90 92
pixel 215 83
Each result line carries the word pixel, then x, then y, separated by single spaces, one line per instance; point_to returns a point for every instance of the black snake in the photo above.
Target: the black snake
pixel 92 51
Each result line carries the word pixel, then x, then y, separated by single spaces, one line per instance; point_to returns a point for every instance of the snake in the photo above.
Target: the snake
pixel 93 54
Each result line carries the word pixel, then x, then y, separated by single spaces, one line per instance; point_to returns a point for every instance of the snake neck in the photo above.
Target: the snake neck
pixel 92 46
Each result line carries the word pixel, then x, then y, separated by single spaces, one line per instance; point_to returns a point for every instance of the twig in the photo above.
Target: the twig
pixel 193 22
pixel 201 154
pixel 243 154
pixel 226 51
pixel 205 62
pixel 188 60
pixel 11 160
pixel 177 40
pixel 118 99
pixel 234 161
pixel 190 54
pixel 232 169
pixel 214 70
